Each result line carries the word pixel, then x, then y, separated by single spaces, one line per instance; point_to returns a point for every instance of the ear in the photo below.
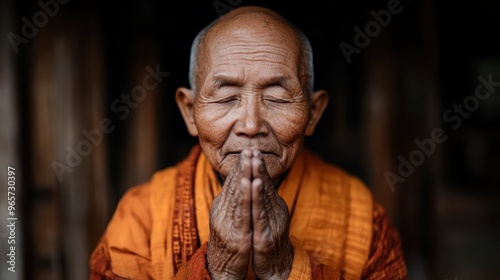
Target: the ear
pixel 319 101
pixel 185 100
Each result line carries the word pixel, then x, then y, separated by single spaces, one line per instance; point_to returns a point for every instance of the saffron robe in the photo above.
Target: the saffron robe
pixel 160 229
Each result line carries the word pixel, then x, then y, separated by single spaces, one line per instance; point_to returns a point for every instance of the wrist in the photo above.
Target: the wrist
pixel 225 275
pixel 281 266
pixel 220 271
pixel 287 265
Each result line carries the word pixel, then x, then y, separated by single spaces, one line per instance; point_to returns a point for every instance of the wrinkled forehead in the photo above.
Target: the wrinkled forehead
pixel 253 32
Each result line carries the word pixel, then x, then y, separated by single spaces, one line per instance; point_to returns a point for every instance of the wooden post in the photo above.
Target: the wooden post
pixel 70 174
pixel 379 92
pixel 140 153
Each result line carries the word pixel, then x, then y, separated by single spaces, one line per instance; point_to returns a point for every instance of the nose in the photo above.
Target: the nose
pixel 250 120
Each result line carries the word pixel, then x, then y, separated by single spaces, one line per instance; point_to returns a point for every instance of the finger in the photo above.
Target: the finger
pixel 257 165
pixel 245 162
pixel 259 171
pixel 266 203
pixel 247 153
pixel 256 153
pixel 240 170
pixel 238 167
pixel 260 208
pixel 232 192
pixel 242 212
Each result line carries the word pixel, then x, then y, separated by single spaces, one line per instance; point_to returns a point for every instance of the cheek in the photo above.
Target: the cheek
pixel 213 124
pixel 289 123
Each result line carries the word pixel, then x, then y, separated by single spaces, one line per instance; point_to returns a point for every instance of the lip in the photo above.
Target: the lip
pixel 238 152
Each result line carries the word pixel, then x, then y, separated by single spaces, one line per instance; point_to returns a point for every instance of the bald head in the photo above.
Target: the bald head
pixel 248 23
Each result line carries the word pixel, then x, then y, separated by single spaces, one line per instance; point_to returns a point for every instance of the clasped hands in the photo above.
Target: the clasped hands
pixel 249 220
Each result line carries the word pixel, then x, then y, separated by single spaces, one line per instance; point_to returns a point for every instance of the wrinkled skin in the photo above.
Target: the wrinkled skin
pixel 251 113
pixel 249 216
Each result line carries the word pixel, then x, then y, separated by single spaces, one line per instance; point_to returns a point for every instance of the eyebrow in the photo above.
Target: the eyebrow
pixel 223 80
pixel 283 81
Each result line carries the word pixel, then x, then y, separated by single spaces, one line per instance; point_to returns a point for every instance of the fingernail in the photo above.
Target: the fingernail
pixel 256 153
pixel 246 152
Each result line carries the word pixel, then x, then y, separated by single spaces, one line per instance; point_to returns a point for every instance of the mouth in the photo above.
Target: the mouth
pixel 264 153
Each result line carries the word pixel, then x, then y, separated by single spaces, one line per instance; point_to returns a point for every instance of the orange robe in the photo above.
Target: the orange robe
pixel 160 229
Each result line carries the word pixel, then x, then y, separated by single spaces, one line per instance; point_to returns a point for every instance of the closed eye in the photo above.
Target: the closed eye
pixel 226 100
pixel 276 100
pixel 276 93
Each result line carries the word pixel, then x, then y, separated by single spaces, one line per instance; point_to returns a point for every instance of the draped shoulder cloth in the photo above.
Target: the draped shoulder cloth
pixel 160 229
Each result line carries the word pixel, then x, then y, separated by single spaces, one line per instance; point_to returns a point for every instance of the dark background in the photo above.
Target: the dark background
pixel 395 91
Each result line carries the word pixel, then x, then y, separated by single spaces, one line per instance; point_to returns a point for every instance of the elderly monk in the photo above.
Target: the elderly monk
pixel 250 201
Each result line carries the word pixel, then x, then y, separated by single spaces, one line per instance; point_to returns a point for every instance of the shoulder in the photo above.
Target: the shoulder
pixel 133 216
pixel 137 198
pixel 331 175
pixel 386 252
pixel 343 207
pixel 133 212
pixel 124 249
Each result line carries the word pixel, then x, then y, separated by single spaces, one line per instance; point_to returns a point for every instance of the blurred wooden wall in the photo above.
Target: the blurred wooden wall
pixel 140 157
pixel 69 201
pixel 69 198
pixel 401 75
pixel 401 72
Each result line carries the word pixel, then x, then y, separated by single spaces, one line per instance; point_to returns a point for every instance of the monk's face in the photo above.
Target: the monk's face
pixel 250 95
